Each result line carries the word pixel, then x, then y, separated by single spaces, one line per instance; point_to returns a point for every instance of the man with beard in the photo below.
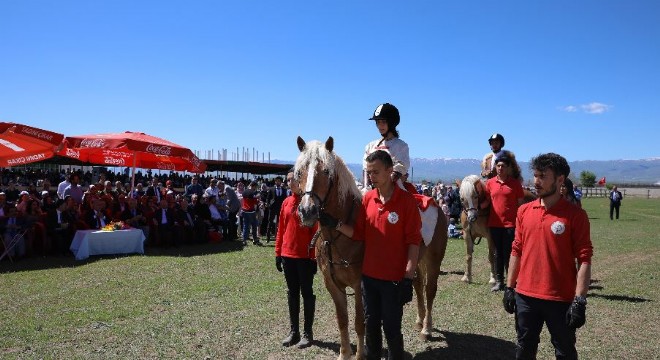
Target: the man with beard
pixel 544 285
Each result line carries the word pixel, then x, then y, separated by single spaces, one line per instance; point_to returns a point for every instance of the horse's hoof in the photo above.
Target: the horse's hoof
pixel 418 326
pixel 492 281
pixel 424 337
pixel 466 279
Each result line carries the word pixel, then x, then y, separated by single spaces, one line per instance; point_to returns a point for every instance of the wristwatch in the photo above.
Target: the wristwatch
pixel 581 300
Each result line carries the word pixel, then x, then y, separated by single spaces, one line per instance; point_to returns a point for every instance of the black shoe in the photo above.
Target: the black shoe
pixel 292 339
pixel 305 341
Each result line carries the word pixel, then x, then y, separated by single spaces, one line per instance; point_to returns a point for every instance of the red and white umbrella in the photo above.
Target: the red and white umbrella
pixel 134 149
pixel 23 144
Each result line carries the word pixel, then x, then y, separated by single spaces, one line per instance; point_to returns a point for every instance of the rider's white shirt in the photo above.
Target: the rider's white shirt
pixel 398 150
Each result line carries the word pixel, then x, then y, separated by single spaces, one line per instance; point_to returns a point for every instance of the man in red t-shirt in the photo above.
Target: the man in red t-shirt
pixel 249 205
pixel 505 194
pixel 551 236
pixel 390 227
pixel 298 261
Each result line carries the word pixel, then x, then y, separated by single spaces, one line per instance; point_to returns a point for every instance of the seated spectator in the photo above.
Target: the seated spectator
pixel 58 228
pixel 193 228
pixel 12 192
pixel 452 231
pixel 164 221
pixel 133 217
pixel 12 228
pixel 96 218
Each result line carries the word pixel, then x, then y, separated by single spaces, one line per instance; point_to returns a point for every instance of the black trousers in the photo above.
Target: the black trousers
pixel 531 313
pixel 382 305
pixel 503 239
pixel 232 227
pixel 614 206
pixel 299 276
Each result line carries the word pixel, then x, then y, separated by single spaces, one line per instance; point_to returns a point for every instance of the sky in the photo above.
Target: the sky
pixel 579 78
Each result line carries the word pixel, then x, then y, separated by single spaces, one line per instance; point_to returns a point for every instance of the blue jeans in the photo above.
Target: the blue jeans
pixel 250 223
pixel 531 313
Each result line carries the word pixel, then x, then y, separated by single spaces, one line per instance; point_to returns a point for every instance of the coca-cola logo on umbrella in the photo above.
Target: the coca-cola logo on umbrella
pixel 37 134
pixel 92 143
pixel 159 149
pixel 73 153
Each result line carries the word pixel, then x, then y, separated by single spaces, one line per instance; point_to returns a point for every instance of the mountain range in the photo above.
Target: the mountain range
pixel 629 172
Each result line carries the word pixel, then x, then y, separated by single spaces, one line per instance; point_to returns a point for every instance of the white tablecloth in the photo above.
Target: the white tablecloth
pixel 95 242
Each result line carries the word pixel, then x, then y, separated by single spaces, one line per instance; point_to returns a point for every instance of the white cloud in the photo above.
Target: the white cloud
pixel 591 108
pixel 595 108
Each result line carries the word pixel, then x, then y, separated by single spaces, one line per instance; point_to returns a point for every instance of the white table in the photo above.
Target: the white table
pixel 95 242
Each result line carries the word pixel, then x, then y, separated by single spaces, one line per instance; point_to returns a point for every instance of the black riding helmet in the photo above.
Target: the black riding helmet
pixel 496 136
pixel 387 112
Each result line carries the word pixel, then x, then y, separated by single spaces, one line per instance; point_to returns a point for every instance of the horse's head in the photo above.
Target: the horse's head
pixel 325 181
pixel 471 190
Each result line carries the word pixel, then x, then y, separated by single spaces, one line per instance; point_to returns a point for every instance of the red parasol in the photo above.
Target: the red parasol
pixel 133 149
pixel 22 144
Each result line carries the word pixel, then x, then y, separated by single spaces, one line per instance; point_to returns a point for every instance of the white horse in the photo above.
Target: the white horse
pixel 475 223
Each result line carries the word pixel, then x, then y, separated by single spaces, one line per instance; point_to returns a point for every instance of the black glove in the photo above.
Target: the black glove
pixel 278 263
pixel 509 300
pixel 326 220
pixel 576 314
pixel 405 291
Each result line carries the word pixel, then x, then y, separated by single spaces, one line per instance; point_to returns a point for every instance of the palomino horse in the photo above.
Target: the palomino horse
pixel 329 187
pixel 475 223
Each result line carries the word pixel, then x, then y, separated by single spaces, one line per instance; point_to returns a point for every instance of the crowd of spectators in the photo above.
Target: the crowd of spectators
pixel 44 209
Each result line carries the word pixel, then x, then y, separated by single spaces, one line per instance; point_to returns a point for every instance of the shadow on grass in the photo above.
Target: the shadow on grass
pixel 52 261
pixel 632 299
pixel 459 346
pixel 467 346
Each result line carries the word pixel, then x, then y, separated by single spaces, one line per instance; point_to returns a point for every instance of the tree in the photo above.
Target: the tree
pixel 587 178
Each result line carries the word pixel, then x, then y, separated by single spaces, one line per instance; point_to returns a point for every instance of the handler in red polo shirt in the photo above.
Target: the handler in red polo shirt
pixel 293 255
pixel 551 236
pixel 391 230
pixel 505 194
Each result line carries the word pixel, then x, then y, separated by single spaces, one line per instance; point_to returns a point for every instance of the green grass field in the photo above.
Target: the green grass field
pixel 220 301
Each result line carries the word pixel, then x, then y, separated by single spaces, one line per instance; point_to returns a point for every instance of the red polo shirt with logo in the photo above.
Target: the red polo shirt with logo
pixel 504 196
pixel 387 230
pixel 548 242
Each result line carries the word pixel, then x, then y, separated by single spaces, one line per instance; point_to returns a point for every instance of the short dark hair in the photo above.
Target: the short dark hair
pixel 381 155
pixel 552 161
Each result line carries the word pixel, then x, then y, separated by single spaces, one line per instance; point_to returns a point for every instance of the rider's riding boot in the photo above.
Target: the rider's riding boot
pixel 395 348
pixel 294 310
pixel 373 345
pixel 308 335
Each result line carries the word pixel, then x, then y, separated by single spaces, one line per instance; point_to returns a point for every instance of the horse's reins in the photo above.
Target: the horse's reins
pixel 328 243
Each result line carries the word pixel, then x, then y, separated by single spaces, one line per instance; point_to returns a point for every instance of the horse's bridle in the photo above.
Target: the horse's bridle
pixel 316 198
pixel 328 243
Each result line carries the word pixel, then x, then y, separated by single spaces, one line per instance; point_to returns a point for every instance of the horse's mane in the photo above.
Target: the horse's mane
pixel 315 153
pixel 467 188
